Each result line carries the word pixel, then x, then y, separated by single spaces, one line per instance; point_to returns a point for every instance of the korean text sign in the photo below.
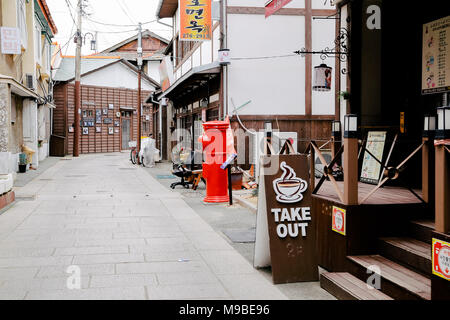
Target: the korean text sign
pixel 195 20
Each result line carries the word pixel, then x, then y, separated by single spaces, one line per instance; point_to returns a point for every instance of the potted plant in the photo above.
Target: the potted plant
pixel 345 95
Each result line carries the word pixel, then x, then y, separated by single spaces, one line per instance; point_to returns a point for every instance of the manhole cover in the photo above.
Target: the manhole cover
pixel 241 235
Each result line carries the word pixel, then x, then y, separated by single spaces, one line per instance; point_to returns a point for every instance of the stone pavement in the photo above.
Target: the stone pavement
pixel 130 237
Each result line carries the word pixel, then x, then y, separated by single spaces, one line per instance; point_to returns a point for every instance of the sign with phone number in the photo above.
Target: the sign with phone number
pixel 441 259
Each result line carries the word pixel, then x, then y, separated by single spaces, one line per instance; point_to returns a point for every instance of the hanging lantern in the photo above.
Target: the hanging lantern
pixel 322 78
pixel 224 57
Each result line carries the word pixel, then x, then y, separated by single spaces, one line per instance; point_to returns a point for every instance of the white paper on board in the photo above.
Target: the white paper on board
pixel 262 246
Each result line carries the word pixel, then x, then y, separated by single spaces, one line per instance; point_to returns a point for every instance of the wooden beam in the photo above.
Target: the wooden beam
pixel 442 188
pixel 350 171
pixel 308 58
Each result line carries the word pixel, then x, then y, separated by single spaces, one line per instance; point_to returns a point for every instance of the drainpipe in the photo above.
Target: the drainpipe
pixel 224 45
pixel 160 126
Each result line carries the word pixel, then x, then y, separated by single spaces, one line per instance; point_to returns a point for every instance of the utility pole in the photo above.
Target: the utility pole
pixel 77 109
pixel 139 108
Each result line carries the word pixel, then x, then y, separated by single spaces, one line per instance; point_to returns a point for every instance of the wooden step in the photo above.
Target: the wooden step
pixel 421 230
pixel 397 281
pixel 344 286
pixel 409 252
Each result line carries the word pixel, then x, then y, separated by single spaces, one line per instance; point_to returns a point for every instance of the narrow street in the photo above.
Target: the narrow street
pixel 131 238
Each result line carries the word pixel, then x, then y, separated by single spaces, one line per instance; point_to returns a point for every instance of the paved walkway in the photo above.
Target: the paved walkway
pixel 130 237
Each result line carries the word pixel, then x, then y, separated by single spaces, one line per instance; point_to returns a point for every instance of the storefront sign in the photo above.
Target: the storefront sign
pixel 339 220
pixel 436 56
pixel 285 235
pixel 195 20
pixel 10 40
pixel 441 259
pixel 273 6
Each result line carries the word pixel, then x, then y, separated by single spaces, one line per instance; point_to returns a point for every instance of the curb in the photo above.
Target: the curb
pixel 246 204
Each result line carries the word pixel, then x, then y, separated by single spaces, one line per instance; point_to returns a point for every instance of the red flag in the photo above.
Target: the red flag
pixel 275 5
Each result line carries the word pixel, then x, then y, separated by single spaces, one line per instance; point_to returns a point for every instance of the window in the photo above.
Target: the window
pixel 22 22
pixel 38 43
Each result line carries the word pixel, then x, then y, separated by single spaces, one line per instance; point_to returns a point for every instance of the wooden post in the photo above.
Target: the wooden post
pixel 442 190
pixel 312 164
pixel 427 170
pixel 335 146
pixel 350 171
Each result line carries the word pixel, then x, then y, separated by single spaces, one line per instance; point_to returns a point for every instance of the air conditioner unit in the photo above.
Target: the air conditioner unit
pixel 29 79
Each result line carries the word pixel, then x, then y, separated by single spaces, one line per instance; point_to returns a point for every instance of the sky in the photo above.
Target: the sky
pixel 115 12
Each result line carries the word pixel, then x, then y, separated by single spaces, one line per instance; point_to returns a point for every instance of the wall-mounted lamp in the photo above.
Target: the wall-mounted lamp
pixel 429 126
pixel 336 129
pixel 204 103
pixel 351 126
pixel 443 123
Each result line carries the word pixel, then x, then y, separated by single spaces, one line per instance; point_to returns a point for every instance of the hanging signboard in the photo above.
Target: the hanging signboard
pixel 436 56
pixel 195 20
pixel 286 227
pixel 441 259
pixel 10 40
pixel 371 168
pixel 338 223
pixel 273 6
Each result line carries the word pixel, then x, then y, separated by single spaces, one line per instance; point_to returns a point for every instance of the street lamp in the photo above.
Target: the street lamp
pixel 336 129
pixel 443 123
pixel 429 126
pixel 351 126
pixel 322 78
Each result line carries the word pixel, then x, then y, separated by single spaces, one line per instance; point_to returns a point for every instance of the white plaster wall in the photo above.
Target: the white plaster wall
pixel 323 36
pixel 116 75
pixel 275 86
pixel 206 52
pixel 187 65
pixel 196 58
pixel 322 4
pixel 216 43
pixel 153 70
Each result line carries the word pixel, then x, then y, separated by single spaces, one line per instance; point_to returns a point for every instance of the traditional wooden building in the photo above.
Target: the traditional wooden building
pixel 266 84
pixel 389 220
pixel 109 100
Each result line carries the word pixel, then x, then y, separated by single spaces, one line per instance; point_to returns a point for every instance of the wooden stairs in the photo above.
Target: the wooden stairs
pixel 404 264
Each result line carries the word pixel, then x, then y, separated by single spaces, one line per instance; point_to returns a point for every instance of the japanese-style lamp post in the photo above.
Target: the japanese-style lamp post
pixel 351 159
pixel 429 128
pixel 336 138
pixel 442 177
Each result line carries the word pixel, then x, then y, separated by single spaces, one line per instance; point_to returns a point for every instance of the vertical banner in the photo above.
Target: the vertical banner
pixel 286 227
pixel 195 20
pixel 273 6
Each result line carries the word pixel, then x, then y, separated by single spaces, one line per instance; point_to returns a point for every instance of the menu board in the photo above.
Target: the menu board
pixel 436 56
pixel 371 168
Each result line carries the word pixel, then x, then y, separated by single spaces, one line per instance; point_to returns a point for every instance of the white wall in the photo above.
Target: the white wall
pixel 116 75
pixel 153 70
pixel 275 86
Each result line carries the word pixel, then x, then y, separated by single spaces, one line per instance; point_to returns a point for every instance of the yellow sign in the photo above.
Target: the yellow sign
pixel 436 56
pixel 195 20
pixel 339 222
pixel 441 259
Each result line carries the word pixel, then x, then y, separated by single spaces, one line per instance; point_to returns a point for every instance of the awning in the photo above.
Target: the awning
pixel 18 88
pixel 191 80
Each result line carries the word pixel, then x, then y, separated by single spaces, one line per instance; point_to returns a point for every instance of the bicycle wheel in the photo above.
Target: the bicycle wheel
pixel 133 156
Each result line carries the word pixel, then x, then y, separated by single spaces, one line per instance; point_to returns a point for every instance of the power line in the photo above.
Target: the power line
pixel 70 11
pixel 119 25
pixel 124 11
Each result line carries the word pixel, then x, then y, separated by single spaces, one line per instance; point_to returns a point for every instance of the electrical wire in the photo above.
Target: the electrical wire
pixel 124 11
pixel 119 25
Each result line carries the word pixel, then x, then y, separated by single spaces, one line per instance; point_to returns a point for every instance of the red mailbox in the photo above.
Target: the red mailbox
pixel 214 148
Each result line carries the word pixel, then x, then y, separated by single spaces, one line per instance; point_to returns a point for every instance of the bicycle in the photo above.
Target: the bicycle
pixel 133 152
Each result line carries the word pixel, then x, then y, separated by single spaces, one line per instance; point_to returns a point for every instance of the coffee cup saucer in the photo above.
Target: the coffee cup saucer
pixel 294 198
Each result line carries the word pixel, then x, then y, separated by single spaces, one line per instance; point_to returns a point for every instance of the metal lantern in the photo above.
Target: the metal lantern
pixel 443 123
pixel 351 126
pixel 322 78
pixel 336 128
pixel 93 45
pixel 204 103
pixel 164 102
pixel 429 126
pixel 224 57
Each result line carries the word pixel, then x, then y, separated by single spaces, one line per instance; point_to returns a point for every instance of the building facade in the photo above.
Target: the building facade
pixel 25 81
pixel 109 100
pixel 265 83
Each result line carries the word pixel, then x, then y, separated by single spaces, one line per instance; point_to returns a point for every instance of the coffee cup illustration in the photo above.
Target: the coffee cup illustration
pixel 289 187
